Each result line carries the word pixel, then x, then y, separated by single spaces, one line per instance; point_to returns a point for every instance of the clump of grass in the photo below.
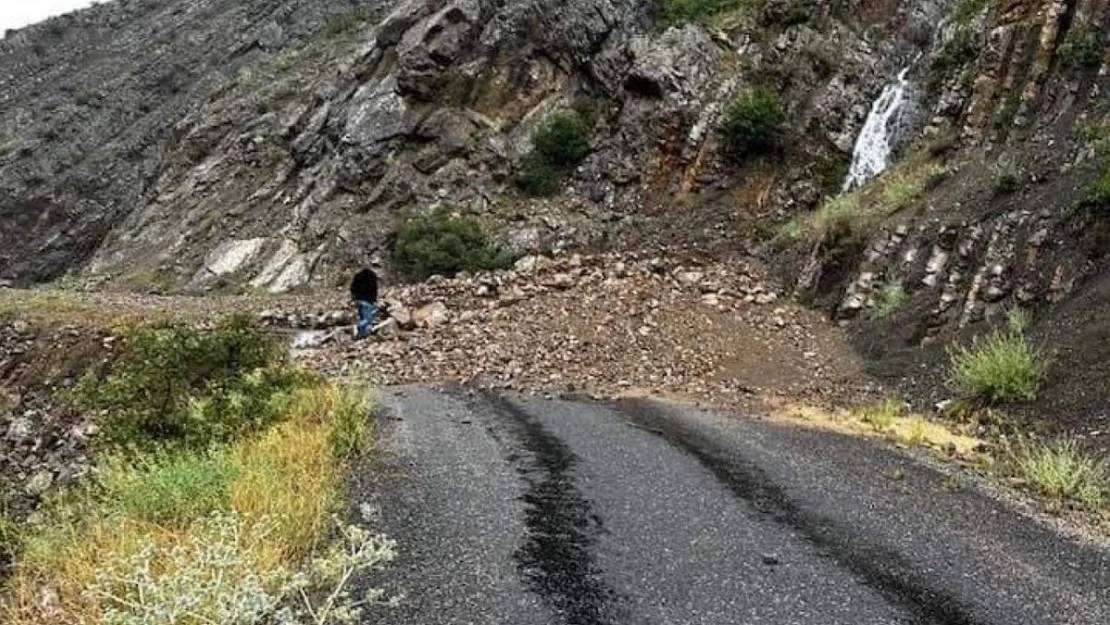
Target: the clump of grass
pixel 915 432
pixel 171 489
pixel 1007 179
pixel 891 297
pixel 347 23
pixel 1097 193
pixel 830 172
pixel 843 213
pixel 9 536
pixel 1001 367
pixel 858 212
pixel 671 12
pixel 880 415
pixel 904 186
pixel 1059 470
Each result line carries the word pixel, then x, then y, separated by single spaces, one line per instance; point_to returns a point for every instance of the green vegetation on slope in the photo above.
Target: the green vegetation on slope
pixel 1001 367
pixel 859 212
pixel 1083 45
pixel 558 144
pixel 1060 471
pixel 443 243
pixel 182 387
pixel 238 532
pixel 752 122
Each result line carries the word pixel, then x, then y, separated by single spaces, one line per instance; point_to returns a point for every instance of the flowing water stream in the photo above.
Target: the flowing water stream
pixel 874 144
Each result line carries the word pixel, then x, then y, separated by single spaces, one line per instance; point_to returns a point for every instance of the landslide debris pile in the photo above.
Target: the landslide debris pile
pixel 606 325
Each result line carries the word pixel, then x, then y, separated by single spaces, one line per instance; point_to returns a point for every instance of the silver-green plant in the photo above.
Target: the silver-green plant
pixel 218 576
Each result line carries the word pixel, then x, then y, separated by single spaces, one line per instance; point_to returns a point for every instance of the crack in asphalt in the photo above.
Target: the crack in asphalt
pixel 557 558
pixel 880 567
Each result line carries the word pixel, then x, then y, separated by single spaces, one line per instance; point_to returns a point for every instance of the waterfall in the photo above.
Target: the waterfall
pixel 873 146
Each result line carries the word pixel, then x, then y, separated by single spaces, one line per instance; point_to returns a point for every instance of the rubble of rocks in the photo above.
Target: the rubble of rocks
pixel 606 325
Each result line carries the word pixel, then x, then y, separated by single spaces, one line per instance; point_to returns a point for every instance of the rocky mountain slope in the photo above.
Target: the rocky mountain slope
pixel 272 146
pixel 207 144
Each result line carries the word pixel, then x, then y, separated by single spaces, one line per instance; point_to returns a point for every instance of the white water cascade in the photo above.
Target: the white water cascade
pixel 873 146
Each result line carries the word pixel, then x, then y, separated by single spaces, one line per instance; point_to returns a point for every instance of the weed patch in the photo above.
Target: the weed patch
pixel 1097 193
pixel 1007 179
pixel 1060 471
pixel 1001 367
pixel 858 212
pixel 891 297
pixel 169 490
pixel 881 415
pixel 235 535
pixel 671 12
pixel 347 23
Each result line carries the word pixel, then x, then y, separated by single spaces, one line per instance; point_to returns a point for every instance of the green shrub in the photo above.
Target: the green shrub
pixel 445 244
pixel 1003 366
pixel 537 178
pixel 171 489
pixel 1061 471
pixel 830 173
pixel 562 140
pixel 1007 179
pixel 177 385
pixel 1097 194
pixel 968 9
pixel 957 51
pixel 752 121
pixel 558 144
pixel 1082 47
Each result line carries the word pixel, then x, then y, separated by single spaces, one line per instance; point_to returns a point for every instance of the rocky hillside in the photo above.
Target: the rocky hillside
pixel 195 145
pixel 276 143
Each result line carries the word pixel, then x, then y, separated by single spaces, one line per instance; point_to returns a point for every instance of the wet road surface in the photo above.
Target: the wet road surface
pixel 512 510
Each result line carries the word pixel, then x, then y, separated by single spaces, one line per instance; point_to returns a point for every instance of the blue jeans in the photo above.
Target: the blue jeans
pixel 367 317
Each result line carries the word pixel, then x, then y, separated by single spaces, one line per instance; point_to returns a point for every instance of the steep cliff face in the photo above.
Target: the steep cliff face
pixel 88 102
pixel 275 144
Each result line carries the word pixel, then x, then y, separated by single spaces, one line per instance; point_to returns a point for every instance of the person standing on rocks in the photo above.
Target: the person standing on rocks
pixel 364 293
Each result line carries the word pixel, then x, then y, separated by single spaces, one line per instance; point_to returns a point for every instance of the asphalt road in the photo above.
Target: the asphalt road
pixel 521 511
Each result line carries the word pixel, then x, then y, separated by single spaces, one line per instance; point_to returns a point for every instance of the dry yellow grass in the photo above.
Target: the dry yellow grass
pixel 286 487
pixel 881 420
pixel 289 476
pixel 49 583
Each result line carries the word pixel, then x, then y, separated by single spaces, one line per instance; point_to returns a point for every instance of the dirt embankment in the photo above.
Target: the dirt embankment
pixel 42 441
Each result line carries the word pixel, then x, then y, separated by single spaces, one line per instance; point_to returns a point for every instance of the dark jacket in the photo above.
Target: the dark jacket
pixel 364 286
